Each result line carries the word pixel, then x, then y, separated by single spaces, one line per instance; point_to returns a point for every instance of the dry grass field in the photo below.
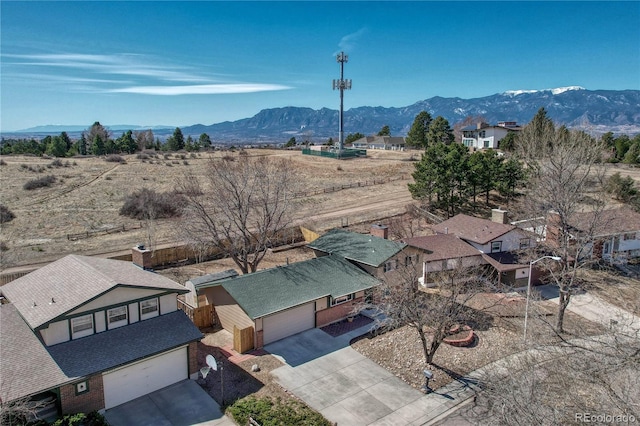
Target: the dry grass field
pixel 89 192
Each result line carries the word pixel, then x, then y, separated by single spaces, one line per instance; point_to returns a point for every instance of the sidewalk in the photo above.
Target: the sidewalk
pixel 595 309
pixel 350 389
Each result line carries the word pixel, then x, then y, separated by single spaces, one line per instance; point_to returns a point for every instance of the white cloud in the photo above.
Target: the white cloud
pixel 201 89
pixel 348 42
pixel 120 64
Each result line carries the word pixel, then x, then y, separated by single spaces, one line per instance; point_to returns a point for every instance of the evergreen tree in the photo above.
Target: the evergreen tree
pixel 57 147
pixel 205 141
pixel 176 141
pixel 189 144
pixel 385 131
pixel 439 132
pixel 98 147
pixel 352 137
pixel 417 136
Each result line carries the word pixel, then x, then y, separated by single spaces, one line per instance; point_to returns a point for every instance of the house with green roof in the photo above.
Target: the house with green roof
pixel 278 302
pixel 374 252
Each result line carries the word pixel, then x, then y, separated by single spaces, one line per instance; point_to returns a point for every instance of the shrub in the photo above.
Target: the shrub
pixel 148 204
pixel 142 156
pixel 114 158
pixel 2 162
pixel 272 412
pixel 81 419
pixel 42 182
pixel 6 215
pixel 57 163
pixel 3 246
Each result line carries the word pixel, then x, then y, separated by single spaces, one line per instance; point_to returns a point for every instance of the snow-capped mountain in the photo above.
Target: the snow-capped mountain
pixel 597 111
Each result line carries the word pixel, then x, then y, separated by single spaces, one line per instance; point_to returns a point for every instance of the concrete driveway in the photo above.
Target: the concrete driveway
pixel 349 388
pixel 181 404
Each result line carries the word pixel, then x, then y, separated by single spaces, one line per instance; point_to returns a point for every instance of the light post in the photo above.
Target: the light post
pixel 427 375
pixel 526 309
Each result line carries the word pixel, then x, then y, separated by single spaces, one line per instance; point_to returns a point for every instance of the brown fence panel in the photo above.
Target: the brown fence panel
pixel 242 339
pixel 203 316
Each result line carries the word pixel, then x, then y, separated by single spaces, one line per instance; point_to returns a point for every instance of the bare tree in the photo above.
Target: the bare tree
pixel 432 311
pixel 242 211
pixel 561 383
pixel 565 179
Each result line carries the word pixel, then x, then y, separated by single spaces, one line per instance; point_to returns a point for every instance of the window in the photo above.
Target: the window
pixel 411 260
pixel 81 326
pixel 630 236
pixel 149 308
pixel 486 143
pixel 341 299
pixel 496 246
pixel 390 265
pixel 117 316
pixel 524 243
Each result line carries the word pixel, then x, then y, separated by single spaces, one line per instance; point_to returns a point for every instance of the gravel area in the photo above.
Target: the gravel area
pixel 400 351
pixel 236 381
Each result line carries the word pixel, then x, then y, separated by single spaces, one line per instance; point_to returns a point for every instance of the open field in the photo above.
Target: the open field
pixel 89 192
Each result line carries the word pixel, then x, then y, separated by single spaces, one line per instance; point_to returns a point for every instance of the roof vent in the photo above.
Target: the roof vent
pixel 52 301
pixel 34 304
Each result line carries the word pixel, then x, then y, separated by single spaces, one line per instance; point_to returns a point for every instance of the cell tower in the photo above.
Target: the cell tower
pixel 341 85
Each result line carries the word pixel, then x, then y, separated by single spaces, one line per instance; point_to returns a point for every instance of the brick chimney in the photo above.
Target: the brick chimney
pixel 499 216
pixel 140 256
pixel 552 229
pixel 379 230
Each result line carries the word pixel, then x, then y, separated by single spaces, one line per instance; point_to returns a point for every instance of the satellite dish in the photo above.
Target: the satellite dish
pixel 211 362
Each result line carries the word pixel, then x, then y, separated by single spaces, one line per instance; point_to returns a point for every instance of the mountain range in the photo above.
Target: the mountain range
pixel 595 111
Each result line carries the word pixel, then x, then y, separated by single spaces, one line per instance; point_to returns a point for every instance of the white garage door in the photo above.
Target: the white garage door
pixel 289 322
pixel 133 381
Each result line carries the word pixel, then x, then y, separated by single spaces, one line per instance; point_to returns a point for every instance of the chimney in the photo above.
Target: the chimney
pixel 379 230
pixel 499 216
pixel 553 233
pixel 140 256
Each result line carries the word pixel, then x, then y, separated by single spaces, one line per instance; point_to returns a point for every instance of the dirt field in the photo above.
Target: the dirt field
pixel 89 192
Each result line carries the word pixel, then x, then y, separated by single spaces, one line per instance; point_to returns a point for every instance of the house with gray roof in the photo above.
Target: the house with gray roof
pixel 278 302
pixel 88 333
pixel 393 143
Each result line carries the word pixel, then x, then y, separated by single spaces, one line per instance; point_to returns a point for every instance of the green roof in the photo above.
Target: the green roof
pixel 272 290
pixel 362 248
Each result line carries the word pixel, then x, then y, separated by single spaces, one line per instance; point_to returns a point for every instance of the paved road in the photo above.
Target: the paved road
pixel 350 389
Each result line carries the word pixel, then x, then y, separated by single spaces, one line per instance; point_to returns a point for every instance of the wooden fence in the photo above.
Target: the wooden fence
pixel 242 339
pixel 201 317
pixel 111 230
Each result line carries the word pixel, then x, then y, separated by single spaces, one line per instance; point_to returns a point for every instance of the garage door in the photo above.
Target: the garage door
pixel 289 322
pixel 130 382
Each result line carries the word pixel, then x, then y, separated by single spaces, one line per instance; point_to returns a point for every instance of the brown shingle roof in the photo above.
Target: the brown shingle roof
pixel 441 247
pixel 73 281
pixel 614 221
pixel 475 229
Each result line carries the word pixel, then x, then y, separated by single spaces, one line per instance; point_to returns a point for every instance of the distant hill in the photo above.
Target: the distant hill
pixel 597 111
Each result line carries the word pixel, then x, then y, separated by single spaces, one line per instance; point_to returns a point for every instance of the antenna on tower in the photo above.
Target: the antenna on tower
pixel 341 85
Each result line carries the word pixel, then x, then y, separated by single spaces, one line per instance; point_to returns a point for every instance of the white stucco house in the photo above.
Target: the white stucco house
pixel 485 136
pixel 87 333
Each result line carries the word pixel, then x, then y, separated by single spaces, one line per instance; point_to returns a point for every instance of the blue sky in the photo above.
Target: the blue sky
pixel 181 63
